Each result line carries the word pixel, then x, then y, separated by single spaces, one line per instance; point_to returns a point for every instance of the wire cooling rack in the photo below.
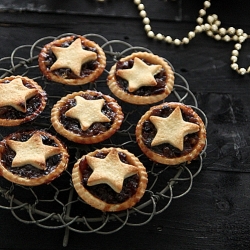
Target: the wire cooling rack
pixel 56 205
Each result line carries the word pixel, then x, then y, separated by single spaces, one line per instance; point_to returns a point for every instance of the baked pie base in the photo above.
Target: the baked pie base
pixel 165 153
pixel 9 116
pixel 76 134
pixel 28 175
pixel 132 97
pixel 94 201
pixel 89 72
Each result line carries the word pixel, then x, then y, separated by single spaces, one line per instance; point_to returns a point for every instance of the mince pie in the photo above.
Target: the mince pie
pixel 86 117
pixel 141 78
pixel 72 60
pixel 171 133
pixel 110 179
pixel 22 100
pixel 32 158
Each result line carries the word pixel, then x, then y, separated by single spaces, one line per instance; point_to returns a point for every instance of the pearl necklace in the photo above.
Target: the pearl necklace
pixel 212 29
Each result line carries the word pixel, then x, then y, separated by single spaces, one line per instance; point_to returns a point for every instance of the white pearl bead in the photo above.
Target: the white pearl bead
pixel 177 41
pixel 242 39
pixel 168 39
pixel 248 69
pixel 217 37
pixel 207 26
pixel 202 12
pixel 242 71
pixel 235 52
pixel 198 28
pixel 141 6
pixel 226 38
pixel 159 36
pixel 191 34
pixel 210 33
pixel 245 35
pixel 237 46
pixel 143 13
pixel 147 27
pixel 222 31
pixel 234 66
pixel 215 17
pixel 234 59
pixel 231 30
pixel 235 38
pixel 217 22
pixel 199 20
pixel 214 27
pixel 151 34
pixel 239 32
pixel 210 19
pixel 146 20
pixel 137 1
pixel 207 4
pixel 185 40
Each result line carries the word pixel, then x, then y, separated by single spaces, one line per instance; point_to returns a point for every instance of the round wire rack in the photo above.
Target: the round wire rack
pixel 56 205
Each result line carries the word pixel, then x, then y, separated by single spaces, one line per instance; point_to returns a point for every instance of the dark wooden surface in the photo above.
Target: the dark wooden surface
pixel 215 213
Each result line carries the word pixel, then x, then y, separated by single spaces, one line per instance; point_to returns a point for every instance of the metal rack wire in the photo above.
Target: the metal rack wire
pixel 56 205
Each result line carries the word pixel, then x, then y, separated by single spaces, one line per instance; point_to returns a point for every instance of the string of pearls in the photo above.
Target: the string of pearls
pixel 211 27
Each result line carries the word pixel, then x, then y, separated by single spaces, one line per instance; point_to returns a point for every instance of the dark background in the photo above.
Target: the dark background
pixel 215 213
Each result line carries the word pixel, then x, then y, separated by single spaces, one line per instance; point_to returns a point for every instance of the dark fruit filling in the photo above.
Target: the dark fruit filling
pixel 96 128
pixel 167 150
pixel 103 191
pixel 143 91
pixel 66 73
pixel 32 106
pixel 28 171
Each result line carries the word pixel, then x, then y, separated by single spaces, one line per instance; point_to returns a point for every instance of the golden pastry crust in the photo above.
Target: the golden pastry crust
pixel 22 100
pixel 189 125
pixel 155 93
pixel 86 194
pixel 83 62
pixel 64 113
pixel 32 158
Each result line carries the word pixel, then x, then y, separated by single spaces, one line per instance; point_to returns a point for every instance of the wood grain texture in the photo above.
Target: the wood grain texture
pixel 215 213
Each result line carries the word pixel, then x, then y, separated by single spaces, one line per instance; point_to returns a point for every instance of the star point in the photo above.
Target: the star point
pixel 110 170
pixel 172 129
pixel 72 57
pixel 87 112
pixel 19 94
pixel 32 152
pixel 141 74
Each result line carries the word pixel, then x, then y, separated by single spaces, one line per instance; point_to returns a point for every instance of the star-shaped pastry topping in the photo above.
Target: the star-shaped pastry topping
pixel 172 129
pixel 87 112
pixel 72 57
pixel 15 94
pixel 141 74
pixel 32 152
pixel 110 170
